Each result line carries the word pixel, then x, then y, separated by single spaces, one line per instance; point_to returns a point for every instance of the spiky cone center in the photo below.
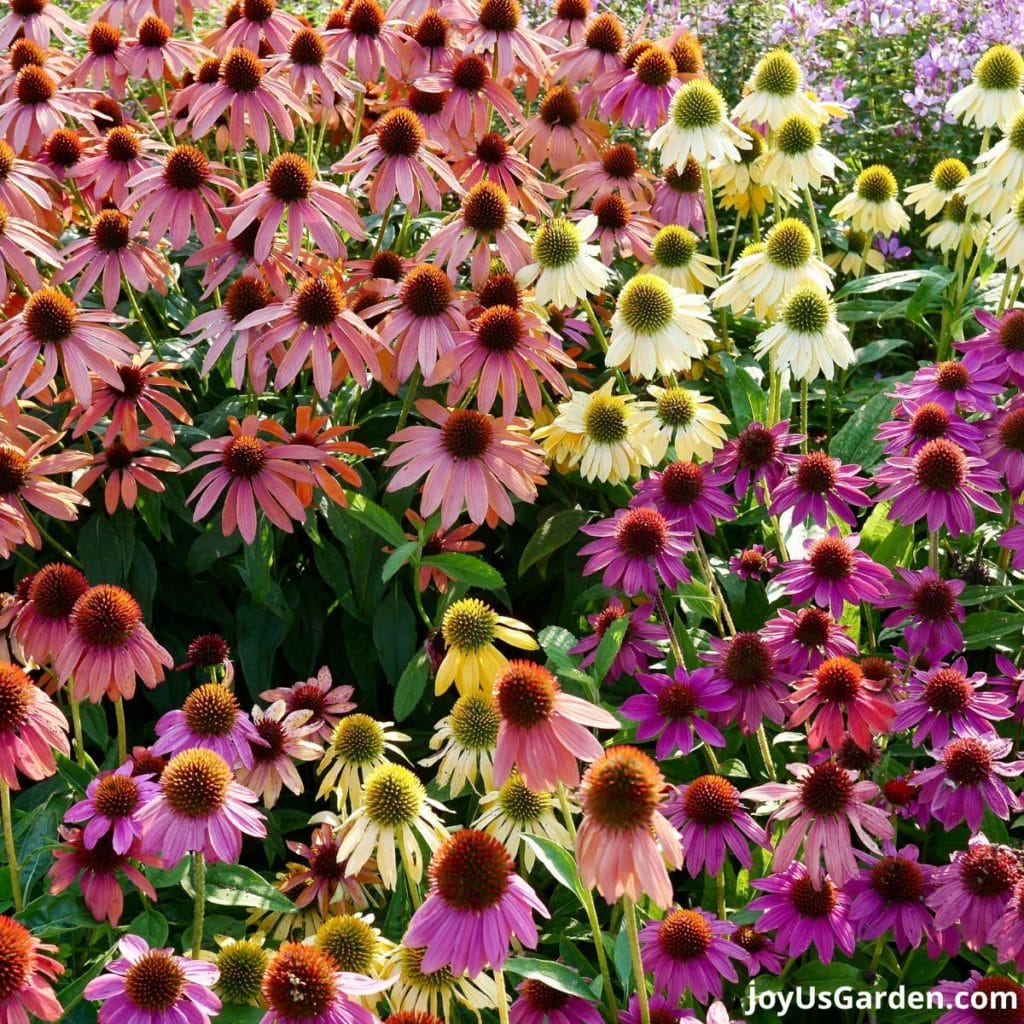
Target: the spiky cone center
pixel 110 231
pixel 573 10
pixel 211 710
pixel 1011 430
pixel 258 10
pixel 876 184
pixel 49 316
pixel 642 533
pixel 1000 1000
pixel 676 407
pixel 118 456
pixel 485 207
pixel 697 104
pixel 400 133
pixel 492 149
pixel 838 680
pixel 811 629
pixel 830 559
pixel 955 210
pixel 6 160
pixel 749 939
pixel 17 958
pixel 542 998
pixel 307 48
pixel 109 110
pixel 683 483
pixel 56 587
pixel 392 796
pixel 685 935
pixel 64 147
pixel 318 301
pixel 752 561
pixel 620 161
pixel 25 53
pixel 273 734
pixel 187 169
pixel 500 15
pixel 557 244
pixel 789 244
pixel 813 903
pixel 195 782
pixel 940 466
pixel 500 290
pixel 474 722
pixel 426 291
pixel 826 789
pixel 471 871
pixel 525 693
pixel 687 55
pixel 358 739
pixel 242 965
pixel 622 789
pixel 612 212
pixel 1000 69
pixel 245 295
pixel 155 982
pixel 411 972
pixel 1011 331
pixel 988 870
pixel 747 661
pixel 431 31
pixel 521 804
pixel 350 942
pixel 952 376
pixel 646 305
pixel 711 800
pixel 467 435
pixel 756 147
pixel 154 33
pixel 677 702
pixel 469 625
pixel 674 246
pixel 655 67
pixel 299 983
pixel 933 601
pixel 777 73
pixel 929 421
pixel 122 144
pixel 387 265
pixel 106 616
pixel 290 178
pixel 605 419
pixel 244 457
pixel 116 796
pixel 241 70
pixel 948 691
pixel 470 73
pixel 968 761
pixel 878 669
pixel 605 34
pixel 797 134
pixel 948 174
pixel 15 697
pixel 34 86
pixel 816 473
pixel 609 614
pixel 366 18
pixel 756 447
pixel 849 755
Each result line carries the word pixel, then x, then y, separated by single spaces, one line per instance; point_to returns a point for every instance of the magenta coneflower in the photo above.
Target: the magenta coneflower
pixel 251 471
pixel 688 951
pixel 22 184
pixel 802 640
pixel 77 340
pixel 123 154
pixel 1004 444
pixel 259 22
pixel 624 841
pixel 926 606
pixel 711 821
pixel 472 94
pixel 1007 933
pixel 638 549
pixel 688 494
pixel 200 808
pixel 18 238
pixel 568 21
pixel 326 702
pixel 945 701
pixel 819 485
pixel 471 461
pixel 670 707
pixel 679 199
pixel 543 732
pixel 821 807
pixel 475 905
pixel 916 423
pixel 834 572
pixel 839 699
pixel 38 20
pixel 1001 346
pixel 541 1004
pixel 754 563
pixel 971 892
pixel 28 972
pixel 559 133
pixel 967 781
pixel 108 646
pixel 760 949
pixel 638 643
pixel 154 985
pixel 757 456
pixel 803 914
pixel 103 63
pixel 42 624
pixel 111 805
pixel 596 53
pixel 287 737
pixel 956 386
pixel 617 170
pixel 1013 538
pixel 211 718
pixel 32 727
pixel 747 662
pixel 322 879
pixel 980 1000
pixel 369 39
pixel 889 895
pixel 641 94
pixel 209 652
pixel 501 30
pixel 312 72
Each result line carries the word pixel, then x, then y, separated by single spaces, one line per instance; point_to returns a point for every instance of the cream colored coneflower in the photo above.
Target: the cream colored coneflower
pixel 808 340
pixel 465 742
pixel 433 993
pixel 763 276
pixel 515 811
pixel 858 252
pixel 471 661
pixel 678 261
pixel 929 197
pixel 741 183
pixel 993 95
pixel 958 223
pixel 607 437
pixel 657 328
pixel 354 945
pixel 798 159
pixel 697 126
pixel 242 964
pixel 688 421
pixel 358 744
pixel 774 92
pixel 873 204
pixel 1006 243
pixel 395 813
pixel 565 267
pixel 1000 171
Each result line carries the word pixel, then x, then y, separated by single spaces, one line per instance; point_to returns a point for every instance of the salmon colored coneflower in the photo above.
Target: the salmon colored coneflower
pixel 31 728
pixel 26 975
pixel 43 623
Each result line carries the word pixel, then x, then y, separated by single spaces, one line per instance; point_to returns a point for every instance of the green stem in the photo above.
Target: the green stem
pixel 122 732
pixel 720 893
pixel 933 550
pixel 766 751
pixel 659 603
pixel 383 227
pixel 640 979
pixel 12 859
pixel 76 723
pixel 410 395
pixel 595 323
pixel 143 322
pixel 709 210
pixel 803 416
pixel 713 582
pixel 499 984
pixel 199 864
pixel 56 545
pixel 812 214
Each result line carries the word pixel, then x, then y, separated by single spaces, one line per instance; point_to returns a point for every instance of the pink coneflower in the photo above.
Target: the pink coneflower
pixel 802 640
pixel 624 841
pixel 286 738
pixel 971 892
pixel 42 623
pixel 916 423
pixel 754 563
pixel 51 326
pixel 154 52
pixel 209 652
pixel 1004 444
pixel 1013 538
pixel 638 642
pixel 105 174
pixel 760 949
pixel 817 486
pixel 596 53
pixel 504 351
pixel 315 321
pixel 138 392
pixel 28 974
pixel 711 820
pixel 927 608
pixel 404 162
pixel 979 1000
pixel 322 879
pixel 369 39
pixel 178 197
pixel 834 572
pixel 803 914
pixel 939 484
pixel 687 951
pixel 211 718
pixel 432 41
pixel 325 702
pixel 38 20
pixel 757 456
pixel 821 807
pixel 1002 344
pixel 111 805
pixel 110 251
pixel 618 170
pixel 200 808
pixel 621 228
pixel 638 549
pixel 292 190
pixel 475 905
pixel 1007 933
pixel 568 21
pixel 945 701
pixel 37 108
pixel 838 698
pixel 154 986
pixel 259 22
pixel 669 709
pixel 32 727
pixel 640 95
pixel 679 199
pixel 956 386
pixel 543 732
pixel 747 662
pixel 472 94
pixel 500 30
pixel 103 63
pixel 889 895
pixel 251 471
pixel 688 494
pixel 312 72
pixel 471 461
pixel 559 133
pixel 541 1004
pixel 18 238
pixel 967 781
pixel 62 152
pixel 224 256
pixel 22 184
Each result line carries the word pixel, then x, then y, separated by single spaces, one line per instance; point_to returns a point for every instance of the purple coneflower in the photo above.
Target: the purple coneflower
pixel 757 456
pixel 318 695
pixel 111 805
pixel 285 737
pixel 753 563
pixel 1002 345
pixel 541 1004
pixel 638 643
pixel 801 640
pixel 927 607
pixel 917 423
pixel 1004 444
pixel 747 663
pixel 994 999
pixel 211 718
pixel 1007 934
pixel 957 387
pixel 689 495
pixel 760 949
pixel 819 485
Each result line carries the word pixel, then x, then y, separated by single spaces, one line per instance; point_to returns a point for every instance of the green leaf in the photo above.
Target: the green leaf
pixel 985 628
pixel 72 773
pixel 105 551
pixel 151 926
pixel 411 685
pixel 556 642
pixel 559 862
pixel 209 548
pixel 233 885
pixel 554 975
pixel 398 558
pixel 260 632
pixel 394 633
pixel 374 518
pixel 748 399
pixel 556 531
pixel 828 977
pixel 466 569
pixel 609 647
pixel 855 440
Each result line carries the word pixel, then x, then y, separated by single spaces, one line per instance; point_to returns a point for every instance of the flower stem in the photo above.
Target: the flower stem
pixel 713 582
pixel 812 214
pixel 499 984
pixel 199 863
pixel 594 322
pixel 933 550
pixel 143 322
pixel 720 893
pixel 803 416
pixel 659 603
pixel 12 859
pixel 122 732
pixel 383 227
pixel 709 210
pixel 640 979
pixel 76 723
pixel 410 395
pixel 766 751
